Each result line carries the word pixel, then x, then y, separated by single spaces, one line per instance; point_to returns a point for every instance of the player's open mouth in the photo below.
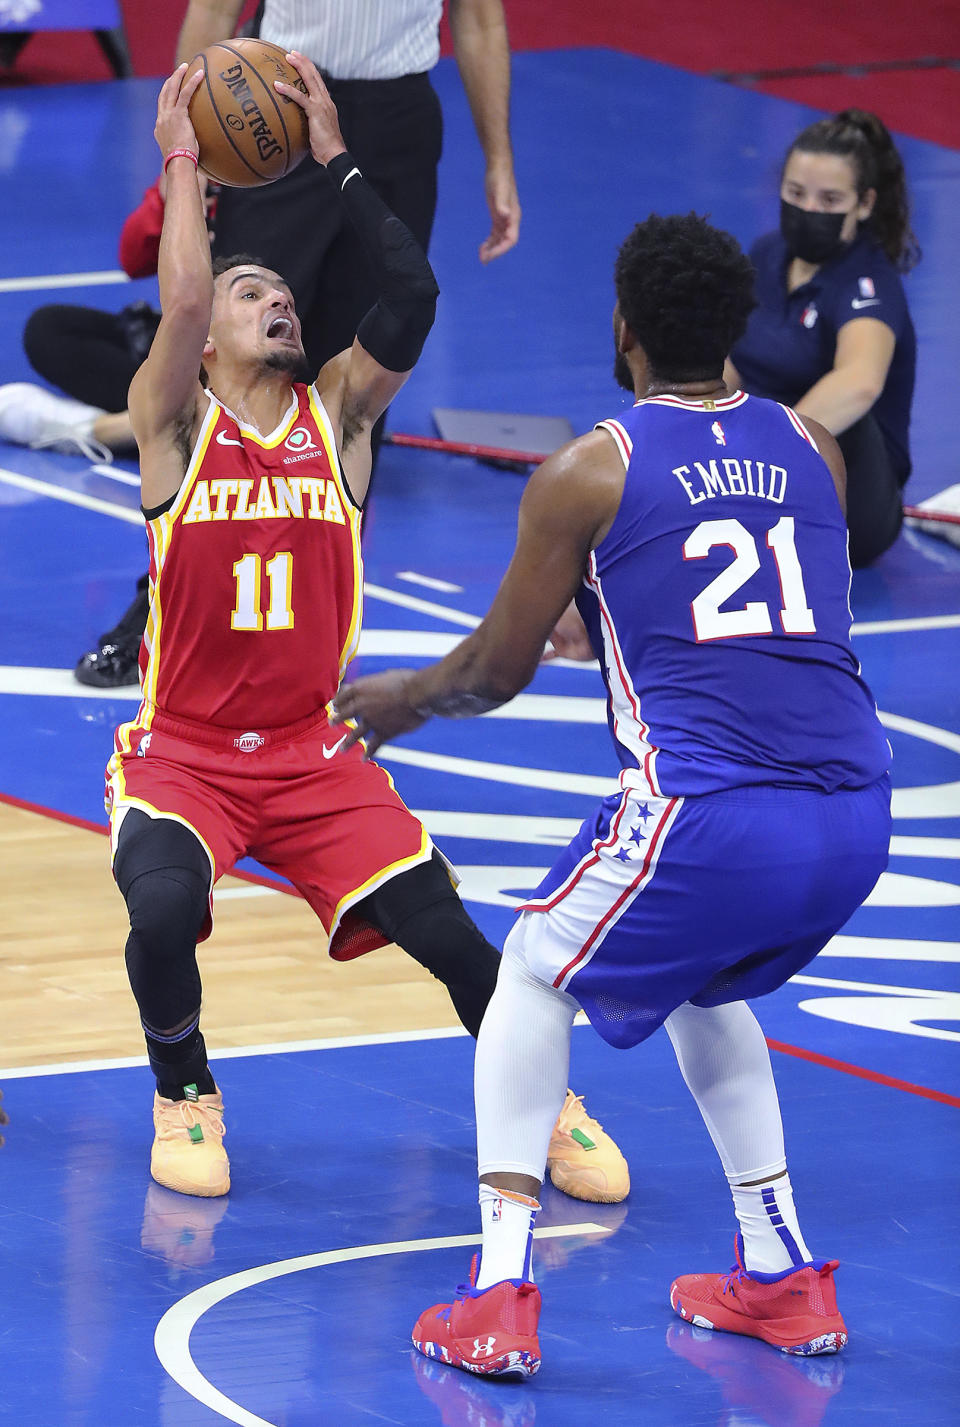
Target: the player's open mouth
pixel 281 327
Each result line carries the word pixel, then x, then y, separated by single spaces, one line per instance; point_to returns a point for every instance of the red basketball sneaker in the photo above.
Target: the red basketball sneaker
pixel 492 1333
pixel 795 1311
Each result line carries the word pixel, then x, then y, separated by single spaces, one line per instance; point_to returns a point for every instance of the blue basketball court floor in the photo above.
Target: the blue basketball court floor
pixel 353 1205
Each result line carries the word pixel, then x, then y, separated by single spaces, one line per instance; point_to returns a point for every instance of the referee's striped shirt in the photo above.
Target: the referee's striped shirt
pixel 358 39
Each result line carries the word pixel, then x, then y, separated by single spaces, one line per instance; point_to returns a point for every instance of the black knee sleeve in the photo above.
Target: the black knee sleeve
pixel 164 876
pixel 422 913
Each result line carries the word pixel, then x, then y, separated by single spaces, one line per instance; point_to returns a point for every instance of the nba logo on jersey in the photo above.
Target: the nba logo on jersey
pixel 866 287
pixel 718 435
pixel 144 745
pixel 809 316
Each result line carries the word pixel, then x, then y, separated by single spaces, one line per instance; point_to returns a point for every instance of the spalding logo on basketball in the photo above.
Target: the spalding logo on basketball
pixel 248 134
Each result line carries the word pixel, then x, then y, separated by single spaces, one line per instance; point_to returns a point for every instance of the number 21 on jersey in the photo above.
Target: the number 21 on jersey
pixel 249 612
pixel 712 622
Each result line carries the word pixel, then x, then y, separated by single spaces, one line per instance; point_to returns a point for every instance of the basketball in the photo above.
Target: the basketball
pixel 248 134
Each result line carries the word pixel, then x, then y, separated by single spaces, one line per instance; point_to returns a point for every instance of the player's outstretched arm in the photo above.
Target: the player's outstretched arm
pixel 358 386
pixel 567 508
pixel 164 392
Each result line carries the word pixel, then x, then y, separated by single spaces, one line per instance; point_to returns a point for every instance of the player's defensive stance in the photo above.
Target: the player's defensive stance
pixel 252 484
pixel 702 534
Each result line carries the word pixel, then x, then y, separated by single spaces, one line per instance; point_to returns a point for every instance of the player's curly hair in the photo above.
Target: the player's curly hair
pixel 863 139
pixel 685 289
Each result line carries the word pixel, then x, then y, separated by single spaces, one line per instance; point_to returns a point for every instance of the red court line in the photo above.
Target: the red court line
pixel 89 826
pixel 862 1073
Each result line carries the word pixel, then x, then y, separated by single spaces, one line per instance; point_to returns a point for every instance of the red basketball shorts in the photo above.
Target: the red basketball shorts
pixel 324 819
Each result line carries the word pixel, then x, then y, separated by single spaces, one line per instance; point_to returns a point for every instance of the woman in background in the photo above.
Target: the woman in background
pixel 831 334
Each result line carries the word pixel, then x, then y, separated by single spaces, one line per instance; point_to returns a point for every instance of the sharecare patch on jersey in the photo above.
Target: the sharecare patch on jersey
pixel 276 498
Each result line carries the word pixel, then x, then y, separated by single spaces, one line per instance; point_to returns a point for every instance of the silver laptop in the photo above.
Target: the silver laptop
pixel 538 435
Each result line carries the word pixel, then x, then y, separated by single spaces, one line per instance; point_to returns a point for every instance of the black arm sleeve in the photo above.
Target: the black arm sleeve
pixel 395 329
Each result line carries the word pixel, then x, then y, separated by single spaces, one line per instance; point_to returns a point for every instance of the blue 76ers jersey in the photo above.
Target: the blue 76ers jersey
pixel 718 606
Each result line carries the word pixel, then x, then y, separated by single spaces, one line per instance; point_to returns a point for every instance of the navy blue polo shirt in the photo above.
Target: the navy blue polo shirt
pixel 791 338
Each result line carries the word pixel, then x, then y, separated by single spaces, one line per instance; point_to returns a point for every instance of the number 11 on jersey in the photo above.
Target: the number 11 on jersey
pixel 248 613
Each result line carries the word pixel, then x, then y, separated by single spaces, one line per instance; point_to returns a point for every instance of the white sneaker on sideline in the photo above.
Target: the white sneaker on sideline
pixel 32 416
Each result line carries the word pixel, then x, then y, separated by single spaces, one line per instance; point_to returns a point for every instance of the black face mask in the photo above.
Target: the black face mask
pixel 814 237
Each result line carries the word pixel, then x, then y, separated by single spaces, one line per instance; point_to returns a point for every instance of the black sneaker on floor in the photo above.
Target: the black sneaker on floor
pixel 111 666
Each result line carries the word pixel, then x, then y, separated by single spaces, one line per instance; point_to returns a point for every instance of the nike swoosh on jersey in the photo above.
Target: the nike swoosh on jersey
pixel 865 302
pixel 224 440
pixel 329 752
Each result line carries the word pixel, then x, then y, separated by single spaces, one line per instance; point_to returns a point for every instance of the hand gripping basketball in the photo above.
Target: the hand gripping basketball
pixel 174 129
pixel 326 139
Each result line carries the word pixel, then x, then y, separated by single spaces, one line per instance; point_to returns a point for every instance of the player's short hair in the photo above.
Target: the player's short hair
pixel 685 289
pixel 236 260
pixel 221 266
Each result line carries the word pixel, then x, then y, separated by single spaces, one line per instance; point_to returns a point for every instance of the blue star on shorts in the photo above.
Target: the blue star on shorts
pixel 638 834
pixel 643 811
pixel 623 854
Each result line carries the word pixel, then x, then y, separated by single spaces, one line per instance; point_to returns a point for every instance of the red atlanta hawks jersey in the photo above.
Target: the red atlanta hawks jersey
pixel 255 574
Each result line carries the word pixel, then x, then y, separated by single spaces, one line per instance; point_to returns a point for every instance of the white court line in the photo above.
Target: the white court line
pixel 88 502
pixel 172 1337
pixel 584 783
pixel 51 280
pixel 945 847
pixel 428 581
pixel 73 1067
pixel 882 990
pixel 114 473
pixel 903 626
pixel 864 948
pixel 440 611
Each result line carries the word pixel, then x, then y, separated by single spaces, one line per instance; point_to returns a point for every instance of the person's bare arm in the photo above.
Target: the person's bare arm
pixel 864 352
pixel 357 385
pixel 482 50
pixel 567 508
pixel 165 391
pixel 205 22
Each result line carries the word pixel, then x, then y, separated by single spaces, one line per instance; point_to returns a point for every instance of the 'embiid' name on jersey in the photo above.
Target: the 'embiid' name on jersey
pixel 728 476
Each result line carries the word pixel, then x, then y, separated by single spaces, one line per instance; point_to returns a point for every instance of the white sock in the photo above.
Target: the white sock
pixel 772 1241
pixel 725 1062
pixel 507 1221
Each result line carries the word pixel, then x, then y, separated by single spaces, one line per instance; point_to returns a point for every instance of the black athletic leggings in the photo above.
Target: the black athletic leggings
pixel 874 484
pixel 89 354
pixel 164 876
